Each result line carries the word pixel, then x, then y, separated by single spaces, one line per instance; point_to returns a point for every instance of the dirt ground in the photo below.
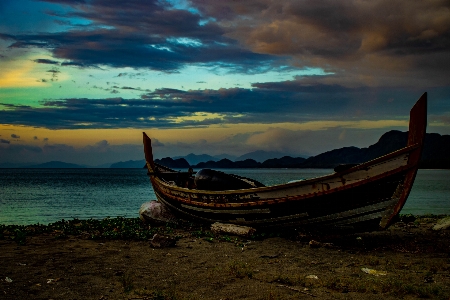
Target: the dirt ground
pixel 409 261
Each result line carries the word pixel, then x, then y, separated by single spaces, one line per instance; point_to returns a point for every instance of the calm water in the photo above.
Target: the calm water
pixel 29 196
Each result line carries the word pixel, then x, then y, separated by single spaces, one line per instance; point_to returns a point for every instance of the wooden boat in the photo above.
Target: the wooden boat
pixel 367 196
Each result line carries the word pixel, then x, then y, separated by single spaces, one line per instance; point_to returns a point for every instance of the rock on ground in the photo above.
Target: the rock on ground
pixel 154 212
pixel 161 241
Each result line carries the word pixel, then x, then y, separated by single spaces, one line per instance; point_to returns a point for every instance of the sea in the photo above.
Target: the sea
pixel 31 196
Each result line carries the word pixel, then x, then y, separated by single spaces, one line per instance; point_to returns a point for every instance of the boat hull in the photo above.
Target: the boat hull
pixel 349 208
pixel 346 200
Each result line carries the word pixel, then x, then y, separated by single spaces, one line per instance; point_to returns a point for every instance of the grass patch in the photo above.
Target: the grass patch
pixel 391 286
pixel 161 294
pixel 284 279
pixel 400 288
pixel 127 282
pixel 118 228
pixel 20 236
pixel 240 270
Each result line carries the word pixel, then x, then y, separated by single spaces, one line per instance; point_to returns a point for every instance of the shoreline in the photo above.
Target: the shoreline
pixel 133 228
pixel 114 259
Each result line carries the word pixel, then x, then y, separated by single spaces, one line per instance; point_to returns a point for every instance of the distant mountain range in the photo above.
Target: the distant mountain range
pixel 435 156
pixel 221 161
pixel 259 156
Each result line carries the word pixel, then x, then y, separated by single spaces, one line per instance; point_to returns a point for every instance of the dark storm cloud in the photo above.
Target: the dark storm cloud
pixel 380 56
pixel 121 49
pixel 145 34
pixel 384 42
pixel 291 101
pixel 378 43
pixel 379 25
pixel 73 64
pixel 46 61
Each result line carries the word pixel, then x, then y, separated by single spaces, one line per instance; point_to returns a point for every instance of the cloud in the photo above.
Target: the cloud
pixel 46 61
pixel 156 143
pixel 2 141
pixel 147 34
pixel 308 142
pixel 11 153
pixel 15 136
pixel 270 102
pixel 116 49
pixel 377 56
pixel 47 152
pixel 380 42
pixel 100 153
pixel 376 43
pixel 293 142
pixel 71 63
pixel 336 28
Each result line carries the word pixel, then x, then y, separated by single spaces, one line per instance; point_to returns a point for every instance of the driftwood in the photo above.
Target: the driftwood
pixel 442 224
pixel 232 229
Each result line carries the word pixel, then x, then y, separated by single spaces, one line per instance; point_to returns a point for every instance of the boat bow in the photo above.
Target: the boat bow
pixel 416 137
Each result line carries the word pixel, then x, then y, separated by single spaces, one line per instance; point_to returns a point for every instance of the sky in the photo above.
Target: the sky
pixel 80 80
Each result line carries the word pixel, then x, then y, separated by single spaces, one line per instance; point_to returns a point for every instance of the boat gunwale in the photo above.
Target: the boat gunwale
pixel 275 201
pixel 361 166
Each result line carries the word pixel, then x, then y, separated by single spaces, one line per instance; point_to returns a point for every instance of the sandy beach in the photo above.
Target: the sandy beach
pixel 407 261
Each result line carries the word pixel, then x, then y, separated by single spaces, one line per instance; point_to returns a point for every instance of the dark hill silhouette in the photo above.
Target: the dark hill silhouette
pixel 284 162
pixel 261 155
pixel 436 152
pixel 179 163
pixel 435 155
pixel 388 142
pixel 247 163
pixel 330 159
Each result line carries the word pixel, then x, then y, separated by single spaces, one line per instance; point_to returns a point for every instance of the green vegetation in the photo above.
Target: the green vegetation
pixel 118 228
pixel 109 228
pixel 121 228
pixel 127 282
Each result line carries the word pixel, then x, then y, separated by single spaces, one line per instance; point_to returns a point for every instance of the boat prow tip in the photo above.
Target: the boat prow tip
pixel 148 151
